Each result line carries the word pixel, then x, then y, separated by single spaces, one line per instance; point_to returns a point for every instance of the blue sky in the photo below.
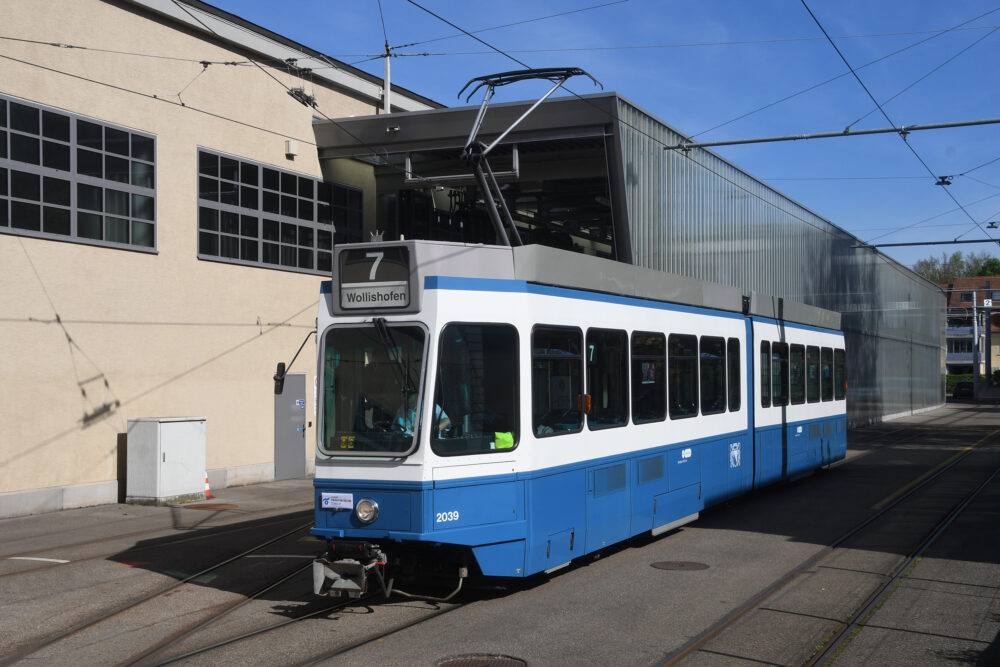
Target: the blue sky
pixel 712 61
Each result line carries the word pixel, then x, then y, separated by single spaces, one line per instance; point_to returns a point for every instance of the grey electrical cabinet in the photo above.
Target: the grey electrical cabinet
pixel 166 460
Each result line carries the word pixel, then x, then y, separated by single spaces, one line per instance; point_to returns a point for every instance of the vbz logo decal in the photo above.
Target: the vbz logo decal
pixel 734 455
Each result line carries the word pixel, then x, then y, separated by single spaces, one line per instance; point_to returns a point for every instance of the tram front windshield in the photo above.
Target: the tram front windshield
pixel 371 383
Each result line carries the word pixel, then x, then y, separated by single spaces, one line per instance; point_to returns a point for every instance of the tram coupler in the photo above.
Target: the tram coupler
pixel 343 570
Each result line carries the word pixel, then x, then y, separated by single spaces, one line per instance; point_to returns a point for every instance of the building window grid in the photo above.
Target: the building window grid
pixel 69 177
pixel 254 214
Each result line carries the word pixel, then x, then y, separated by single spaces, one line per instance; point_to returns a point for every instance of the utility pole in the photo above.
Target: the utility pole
pixel 975 345
pixel 387 85
pixel 988 307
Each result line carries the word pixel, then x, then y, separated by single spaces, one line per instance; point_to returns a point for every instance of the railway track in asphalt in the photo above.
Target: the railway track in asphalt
pixel 96 627
pixel 899 507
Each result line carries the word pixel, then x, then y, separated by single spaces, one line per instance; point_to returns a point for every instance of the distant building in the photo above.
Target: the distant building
pixel 966 332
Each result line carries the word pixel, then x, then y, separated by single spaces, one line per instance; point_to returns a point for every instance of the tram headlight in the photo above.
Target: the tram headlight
pixel 366 510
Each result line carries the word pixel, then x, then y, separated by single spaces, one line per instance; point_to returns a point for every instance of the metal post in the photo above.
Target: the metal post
pixel 989 344
pixel 387 89
pixel 975 345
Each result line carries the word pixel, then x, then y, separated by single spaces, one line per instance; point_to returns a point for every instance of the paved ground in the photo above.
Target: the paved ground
pixel 616 609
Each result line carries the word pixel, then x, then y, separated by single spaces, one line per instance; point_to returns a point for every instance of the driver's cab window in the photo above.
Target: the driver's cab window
pixel 556 380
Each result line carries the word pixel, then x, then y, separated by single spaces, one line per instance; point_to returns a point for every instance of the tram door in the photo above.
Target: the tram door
pixel 290 428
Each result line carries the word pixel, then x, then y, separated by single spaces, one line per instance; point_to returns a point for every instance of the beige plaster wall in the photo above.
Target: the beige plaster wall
pixel 154 335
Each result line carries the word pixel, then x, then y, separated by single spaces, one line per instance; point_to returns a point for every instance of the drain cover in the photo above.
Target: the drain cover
pixel 483 661
pixel 210 506
pixel 679 565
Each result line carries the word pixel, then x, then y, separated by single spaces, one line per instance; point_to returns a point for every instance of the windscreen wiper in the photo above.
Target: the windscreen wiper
pixel 406 382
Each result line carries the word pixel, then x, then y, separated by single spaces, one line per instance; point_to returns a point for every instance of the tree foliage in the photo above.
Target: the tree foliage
pixel 946 268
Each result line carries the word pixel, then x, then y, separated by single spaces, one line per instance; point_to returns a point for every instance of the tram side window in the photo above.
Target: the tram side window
pixel 556 380
pixel 476 397
pixel 682 369
pixel 649 386
pixel 812 374
pixel 839 375
pixel 779 373
pixel 712 355
pixel 607 378
pixel 797 374
pixel 826 373
pixel 765 374
pixel 735 387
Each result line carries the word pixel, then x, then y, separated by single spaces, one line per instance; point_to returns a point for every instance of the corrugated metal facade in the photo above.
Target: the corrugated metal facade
pixel 698 215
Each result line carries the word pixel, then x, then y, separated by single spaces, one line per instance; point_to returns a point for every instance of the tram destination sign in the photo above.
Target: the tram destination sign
pixel 375 278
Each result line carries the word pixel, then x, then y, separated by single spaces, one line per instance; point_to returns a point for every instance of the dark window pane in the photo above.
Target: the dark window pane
pixel 270 230
pixel 208 218
pixel 323 214
pixel 55 220
pixel 826 373
pixel 324 192
pixel 229 222
pixel 812 374
pixel 682 371
pixel 116 169
pixel 23 149
pixel 270 253
pixel 288 233
pixel 208 189
pixel 55 125
pixel 57 191
pixel 116 141
pixel 734 376
pixel 712 365
pixel 55 156
pixel 306 236
pixel 208 164
pixel 3 113
pixel 272 179
pixel 89 163
pixel 248 197
pixel 323 261
pixel 649 384
pixel 779 373
pixel 142 148
pixel 3 213
pixel 208 244
pixel 25 186
pixel 607 378
pixel 839 374
pixel 289 183
pixel 3 181
pixel 248 173
pixel 229 193
pixel 354 199
pixel 248 250
pixel 3 145
pixel 305 210
pixel 765 374
pixel 115 203
pixel 288 206
pixel 115 229
pixel 339 196
pixel 229 168
pixel 305 258
pixel 143 175
pixel 324 239
pixel 142 207
pixel 305 187
pixel 272 202
pixel 229 246
pixel 797 374
pixel 23 118
pixel 248 226
pixel 90 135
pixel 25 216
pixel 289 256
pixel 89 226
pixel 142 234
pixel 556 382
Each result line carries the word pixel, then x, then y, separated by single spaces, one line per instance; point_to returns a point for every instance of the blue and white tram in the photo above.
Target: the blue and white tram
pixel 511 409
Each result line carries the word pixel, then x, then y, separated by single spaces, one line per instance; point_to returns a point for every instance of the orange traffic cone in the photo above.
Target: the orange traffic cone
pixel 208 491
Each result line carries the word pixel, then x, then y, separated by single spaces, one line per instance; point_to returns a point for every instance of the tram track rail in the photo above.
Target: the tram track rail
pixel 34 647
pixel 890 580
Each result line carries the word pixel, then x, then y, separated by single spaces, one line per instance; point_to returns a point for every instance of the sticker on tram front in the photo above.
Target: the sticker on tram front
pixel 337 501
